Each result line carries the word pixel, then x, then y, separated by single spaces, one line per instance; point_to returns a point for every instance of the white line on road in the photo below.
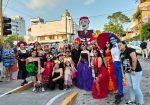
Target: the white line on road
pixel 9 92
pixel 54 98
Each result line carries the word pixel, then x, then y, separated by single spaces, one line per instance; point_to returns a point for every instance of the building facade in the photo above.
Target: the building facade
pixel 18 25
pixel 52 31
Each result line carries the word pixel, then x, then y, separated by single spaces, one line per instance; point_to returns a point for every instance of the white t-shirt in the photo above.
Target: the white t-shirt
pixel 115 52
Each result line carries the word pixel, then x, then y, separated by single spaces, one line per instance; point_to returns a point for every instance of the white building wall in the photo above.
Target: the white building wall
pixel 18 25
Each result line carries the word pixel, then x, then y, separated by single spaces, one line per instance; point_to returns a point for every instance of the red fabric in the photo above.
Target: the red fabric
pixel 111 70
pixel 102 84
pixel 48 66
pixel 15 68
pixel 102 39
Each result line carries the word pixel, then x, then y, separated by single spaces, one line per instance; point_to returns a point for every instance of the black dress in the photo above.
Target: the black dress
pixel 22 74
pixel 42 59
pixel 60 82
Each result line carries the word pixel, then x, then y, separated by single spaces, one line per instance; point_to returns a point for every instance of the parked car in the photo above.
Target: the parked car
pixel 136 46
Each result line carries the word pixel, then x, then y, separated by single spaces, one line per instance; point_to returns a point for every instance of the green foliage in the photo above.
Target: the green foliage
pixel 115 24
pixel 145 31
pixel 137 14
pixel 11 38
pixel 1 41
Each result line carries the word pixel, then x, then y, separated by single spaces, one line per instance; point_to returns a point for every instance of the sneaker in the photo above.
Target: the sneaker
pixel 43 90
pixel 120 96
pixel 118 101
pixel 34 89
pixel 24 82
pixel 130 102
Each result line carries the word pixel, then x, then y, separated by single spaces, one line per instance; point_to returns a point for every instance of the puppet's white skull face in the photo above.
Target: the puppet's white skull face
pixel 84 24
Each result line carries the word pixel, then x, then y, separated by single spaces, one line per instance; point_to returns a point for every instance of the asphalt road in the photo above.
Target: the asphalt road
pixel 84 98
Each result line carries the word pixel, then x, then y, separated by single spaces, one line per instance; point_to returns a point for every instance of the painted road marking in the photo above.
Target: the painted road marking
pixel 54 98
pixel 16 89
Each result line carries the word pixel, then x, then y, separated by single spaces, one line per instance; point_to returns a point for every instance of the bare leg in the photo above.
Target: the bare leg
pixel 6 72
pixel 10 72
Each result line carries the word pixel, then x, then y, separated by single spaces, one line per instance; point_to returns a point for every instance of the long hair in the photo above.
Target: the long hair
pixel 105 48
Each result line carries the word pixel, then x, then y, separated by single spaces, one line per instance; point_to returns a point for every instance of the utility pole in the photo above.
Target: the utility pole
pixel 66 29
pixel 1 20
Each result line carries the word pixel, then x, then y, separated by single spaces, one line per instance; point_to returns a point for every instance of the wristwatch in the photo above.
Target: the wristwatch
pixel 132 69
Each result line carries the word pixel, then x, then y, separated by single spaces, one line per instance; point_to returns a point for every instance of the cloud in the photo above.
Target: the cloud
pixel 88 2
pixel 38 4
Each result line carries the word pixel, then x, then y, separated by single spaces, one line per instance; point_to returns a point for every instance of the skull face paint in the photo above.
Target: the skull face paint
pixel 113 40
pixel 84 22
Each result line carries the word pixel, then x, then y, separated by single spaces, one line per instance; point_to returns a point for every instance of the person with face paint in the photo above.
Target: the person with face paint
pixel 21 55
pixel 115 52
pixel 48 66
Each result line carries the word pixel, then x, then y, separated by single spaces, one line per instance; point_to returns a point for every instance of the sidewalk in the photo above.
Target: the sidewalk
pixel 6 86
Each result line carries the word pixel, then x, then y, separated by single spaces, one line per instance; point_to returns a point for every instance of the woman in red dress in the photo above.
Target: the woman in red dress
pixel 100 83
pixel 110 67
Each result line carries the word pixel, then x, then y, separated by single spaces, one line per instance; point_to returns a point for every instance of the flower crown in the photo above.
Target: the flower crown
pixel 56 61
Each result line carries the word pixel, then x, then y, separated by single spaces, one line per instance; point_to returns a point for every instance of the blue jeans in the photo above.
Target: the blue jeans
pixel 117 67
pixel 134 87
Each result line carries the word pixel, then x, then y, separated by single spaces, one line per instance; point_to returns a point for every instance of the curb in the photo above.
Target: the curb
pixel 18 89
pixel 70 99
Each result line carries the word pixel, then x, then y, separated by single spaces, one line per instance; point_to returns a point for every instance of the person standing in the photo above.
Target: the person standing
pixel 84 73
pixel 22 54
pixel 143 45
pixel 133 73
pixel 8 61
pixel 115 52
pixel 75 54
pixel 110 67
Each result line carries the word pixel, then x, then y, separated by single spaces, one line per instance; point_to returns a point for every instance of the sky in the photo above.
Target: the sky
pixel 96 10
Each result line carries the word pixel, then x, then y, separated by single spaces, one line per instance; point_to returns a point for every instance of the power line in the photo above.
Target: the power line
pixel 105 14
pixel 28 15
pixel 6 4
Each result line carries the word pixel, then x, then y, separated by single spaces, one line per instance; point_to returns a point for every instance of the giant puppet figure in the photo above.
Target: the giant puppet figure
pixel 84 33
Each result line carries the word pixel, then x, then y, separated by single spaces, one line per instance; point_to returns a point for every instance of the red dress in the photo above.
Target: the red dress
pixel 111 72
pixel 48 66
pixel 100 89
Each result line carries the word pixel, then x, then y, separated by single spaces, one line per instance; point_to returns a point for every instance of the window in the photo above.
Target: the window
pixel 51 37
pixel 42 38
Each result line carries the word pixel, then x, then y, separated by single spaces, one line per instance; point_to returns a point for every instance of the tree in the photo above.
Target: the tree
pixel 10 39
pixel 1 41
pixel 145 31
pixel 115 23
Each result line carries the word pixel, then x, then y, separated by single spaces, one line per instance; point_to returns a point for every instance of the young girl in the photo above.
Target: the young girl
pixel 68 75
pixel 48 66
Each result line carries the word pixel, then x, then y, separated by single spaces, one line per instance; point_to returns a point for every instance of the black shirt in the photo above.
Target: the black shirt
pixel 127 61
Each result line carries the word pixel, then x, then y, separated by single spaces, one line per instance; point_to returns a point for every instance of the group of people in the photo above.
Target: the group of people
pixel 88 67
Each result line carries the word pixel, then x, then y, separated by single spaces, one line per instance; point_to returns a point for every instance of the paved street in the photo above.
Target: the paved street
pixel 84 98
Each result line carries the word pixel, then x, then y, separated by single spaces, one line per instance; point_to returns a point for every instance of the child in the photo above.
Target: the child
pixel 48 66
pixel 68 75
